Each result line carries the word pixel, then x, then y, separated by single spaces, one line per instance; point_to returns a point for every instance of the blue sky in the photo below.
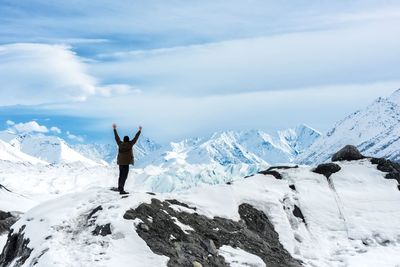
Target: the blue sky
pixel 189 68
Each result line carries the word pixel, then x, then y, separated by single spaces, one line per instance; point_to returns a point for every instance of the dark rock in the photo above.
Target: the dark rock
pixel 297 213
pixel 102 230
pixel 293 187
pixel 94 211
pixel 4 215
pixel 276 174
pixel 282 167
pixel 327 169
pixel 210 247
pixel 348 153
pixel 254 233
pixel 6 221
pixel 16 249
pixel 272 171
pixel 151 193
pixel 176 202
pixel 391 168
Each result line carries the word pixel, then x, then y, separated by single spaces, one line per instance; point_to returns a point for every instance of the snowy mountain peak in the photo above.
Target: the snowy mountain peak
pixel 375 130
pixel 51 149
pixel 299 138
pixel 10 153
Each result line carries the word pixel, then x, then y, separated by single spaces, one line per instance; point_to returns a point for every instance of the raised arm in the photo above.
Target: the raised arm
pixel 116 136
pixel 134 140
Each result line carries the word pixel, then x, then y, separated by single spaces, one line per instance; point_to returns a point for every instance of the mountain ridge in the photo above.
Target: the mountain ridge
pixel 374 130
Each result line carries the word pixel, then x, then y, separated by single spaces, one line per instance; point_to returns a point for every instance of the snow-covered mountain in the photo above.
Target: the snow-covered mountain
pixel 51 149
pixel 224 148
pixel 348 218
pixel 375 130
pixel 10 153
pixel 251 147
pixel 108 152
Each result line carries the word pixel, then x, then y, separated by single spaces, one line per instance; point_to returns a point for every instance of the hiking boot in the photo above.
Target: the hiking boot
pixel 123 192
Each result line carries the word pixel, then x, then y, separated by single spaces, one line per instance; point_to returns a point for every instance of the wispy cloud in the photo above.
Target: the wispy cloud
pixel 357 54
pixel 38 73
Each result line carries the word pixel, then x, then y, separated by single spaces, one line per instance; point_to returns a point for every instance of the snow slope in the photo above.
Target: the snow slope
pixel 375 130
pixel 51 149
pixel 10 153
pixel 352 221
pixel 44 182
pixel 15 204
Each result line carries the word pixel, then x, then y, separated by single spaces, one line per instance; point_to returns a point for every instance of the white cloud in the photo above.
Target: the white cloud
pixel 75 137
pixel 27 127
pixel 168 117
pixel 31 127
pixel 38 73
pixel 55 130
pixel 357 54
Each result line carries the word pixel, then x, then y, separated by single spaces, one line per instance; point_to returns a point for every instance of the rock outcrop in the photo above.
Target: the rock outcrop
pixel 273 171
pixel 348 153
pixel 16 248
pixel 189 237
pixel 391 168
pixel 327 169
pixel 6 220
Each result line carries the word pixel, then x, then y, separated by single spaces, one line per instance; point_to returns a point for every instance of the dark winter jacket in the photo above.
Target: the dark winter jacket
pixel 125 151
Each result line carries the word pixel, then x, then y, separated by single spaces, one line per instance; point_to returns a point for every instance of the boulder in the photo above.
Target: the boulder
pixel 348 153
pixel 327 169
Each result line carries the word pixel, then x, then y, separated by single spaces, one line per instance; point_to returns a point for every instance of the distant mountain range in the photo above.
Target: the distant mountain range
pixel 375 130
pixel 223 148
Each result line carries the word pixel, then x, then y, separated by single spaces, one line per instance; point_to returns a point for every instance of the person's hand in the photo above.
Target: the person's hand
pixel 114 126
pixel 140 128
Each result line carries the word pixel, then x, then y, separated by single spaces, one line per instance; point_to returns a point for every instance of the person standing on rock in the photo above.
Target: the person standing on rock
pixel 125 156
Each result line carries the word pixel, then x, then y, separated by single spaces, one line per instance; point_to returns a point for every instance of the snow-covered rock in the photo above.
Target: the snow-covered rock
pixel 374 130
pixel 12 205
pixel 350 219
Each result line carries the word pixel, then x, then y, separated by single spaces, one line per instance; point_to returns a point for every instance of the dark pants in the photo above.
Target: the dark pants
pixel 123 175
